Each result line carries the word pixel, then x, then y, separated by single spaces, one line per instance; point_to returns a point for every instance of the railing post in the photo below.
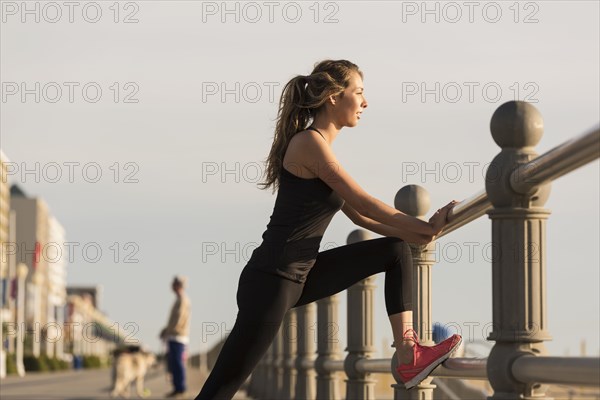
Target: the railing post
pixel 267 382
pixel 22 272
pixel 327 347
pixel 278 364
pixel 518 257
pixel 305 380
pixel 257 379
pixel 270 388
pixel 414 200
pixel 290 342
pixel 360 385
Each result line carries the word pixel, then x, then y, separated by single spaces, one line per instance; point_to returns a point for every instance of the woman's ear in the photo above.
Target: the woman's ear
pixel 333 99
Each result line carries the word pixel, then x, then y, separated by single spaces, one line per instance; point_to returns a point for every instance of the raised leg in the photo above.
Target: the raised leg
pixel 339 268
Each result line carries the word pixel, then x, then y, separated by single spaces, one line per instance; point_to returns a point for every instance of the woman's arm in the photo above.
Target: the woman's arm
pixel 322 162
pixel 383 229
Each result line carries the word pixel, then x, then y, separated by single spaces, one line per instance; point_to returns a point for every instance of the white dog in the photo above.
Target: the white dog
pixel 130 367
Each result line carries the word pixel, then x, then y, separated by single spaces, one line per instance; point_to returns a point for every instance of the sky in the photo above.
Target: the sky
pixel 148 122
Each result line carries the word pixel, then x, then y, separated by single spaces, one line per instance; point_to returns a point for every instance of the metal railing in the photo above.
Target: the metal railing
pixel 516 189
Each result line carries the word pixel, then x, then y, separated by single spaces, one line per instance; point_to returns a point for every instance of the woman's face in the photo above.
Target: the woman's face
pixel 349 107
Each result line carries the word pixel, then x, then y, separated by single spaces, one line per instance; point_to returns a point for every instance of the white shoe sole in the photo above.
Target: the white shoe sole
pixel 425 373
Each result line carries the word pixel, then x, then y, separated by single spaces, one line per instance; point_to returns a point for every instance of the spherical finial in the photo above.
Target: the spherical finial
pixel 358 235
pixel 412 200
pixel 517 124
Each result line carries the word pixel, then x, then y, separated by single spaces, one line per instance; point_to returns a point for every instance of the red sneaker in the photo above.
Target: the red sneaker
pixel 425 359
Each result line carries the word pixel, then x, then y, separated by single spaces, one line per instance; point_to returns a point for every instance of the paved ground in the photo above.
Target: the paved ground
pixel 95 384
pixel 87 385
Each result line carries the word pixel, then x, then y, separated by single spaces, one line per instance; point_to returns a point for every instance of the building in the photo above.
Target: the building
pixel 7 265
pixel 39 313
pixel 88 332
pixel 32 234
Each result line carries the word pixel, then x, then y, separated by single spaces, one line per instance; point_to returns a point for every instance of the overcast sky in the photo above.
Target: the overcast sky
pixel 176 110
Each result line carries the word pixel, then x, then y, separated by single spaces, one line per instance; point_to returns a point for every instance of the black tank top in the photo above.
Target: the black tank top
pixel 303 209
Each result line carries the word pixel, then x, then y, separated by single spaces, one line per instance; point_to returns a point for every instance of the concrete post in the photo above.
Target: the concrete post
pixel 271 384
pixel 22 271
pixel 290 350
pixel 12 274
pixel 37 281
pixel 414 200
pixel 519 256
pixel 267 376
pixel 276 383
pixel 360 331
pixel 257 379
pixel 305 380
pixel 327 347
pixel 60 317
pixel 259 384
pixel 49 328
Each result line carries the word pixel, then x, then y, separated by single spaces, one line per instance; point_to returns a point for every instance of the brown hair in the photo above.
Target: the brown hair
pixel 301 99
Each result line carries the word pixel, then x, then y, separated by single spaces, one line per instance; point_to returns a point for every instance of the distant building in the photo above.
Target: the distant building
pixel 7 266
pixel 57 320
pixel 32 226
pixel 39 243
pixel 88 330
pixel 94 293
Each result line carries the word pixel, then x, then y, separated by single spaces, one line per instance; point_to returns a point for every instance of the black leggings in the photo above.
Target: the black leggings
pixel 263 300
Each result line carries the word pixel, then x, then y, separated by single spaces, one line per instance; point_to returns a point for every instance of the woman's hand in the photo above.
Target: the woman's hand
pixel 440 218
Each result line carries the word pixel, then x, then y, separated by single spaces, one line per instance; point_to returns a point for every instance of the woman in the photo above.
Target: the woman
pixel 287 270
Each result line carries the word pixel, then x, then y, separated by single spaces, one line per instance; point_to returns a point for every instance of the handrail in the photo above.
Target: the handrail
pixel 551 165
pixel 333 365
pixel 557 162
pixel 466 211
pixel 374 365
pixel 558 370
pixel 462 368
pixel 465 368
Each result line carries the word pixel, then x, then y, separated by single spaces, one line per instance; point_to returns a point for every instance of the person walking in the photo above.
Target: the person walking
pixel 287 270
pixel 176 335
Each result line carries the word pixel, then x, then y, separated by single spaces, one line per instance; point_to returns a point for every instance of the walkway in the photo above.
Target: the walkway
pixel 87 385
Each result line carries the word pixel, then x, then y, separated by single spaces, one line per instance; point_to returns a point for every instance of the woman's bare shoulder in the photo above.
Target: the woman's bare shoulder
pixel 306 139
pixel 300 152
pixel 307 135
